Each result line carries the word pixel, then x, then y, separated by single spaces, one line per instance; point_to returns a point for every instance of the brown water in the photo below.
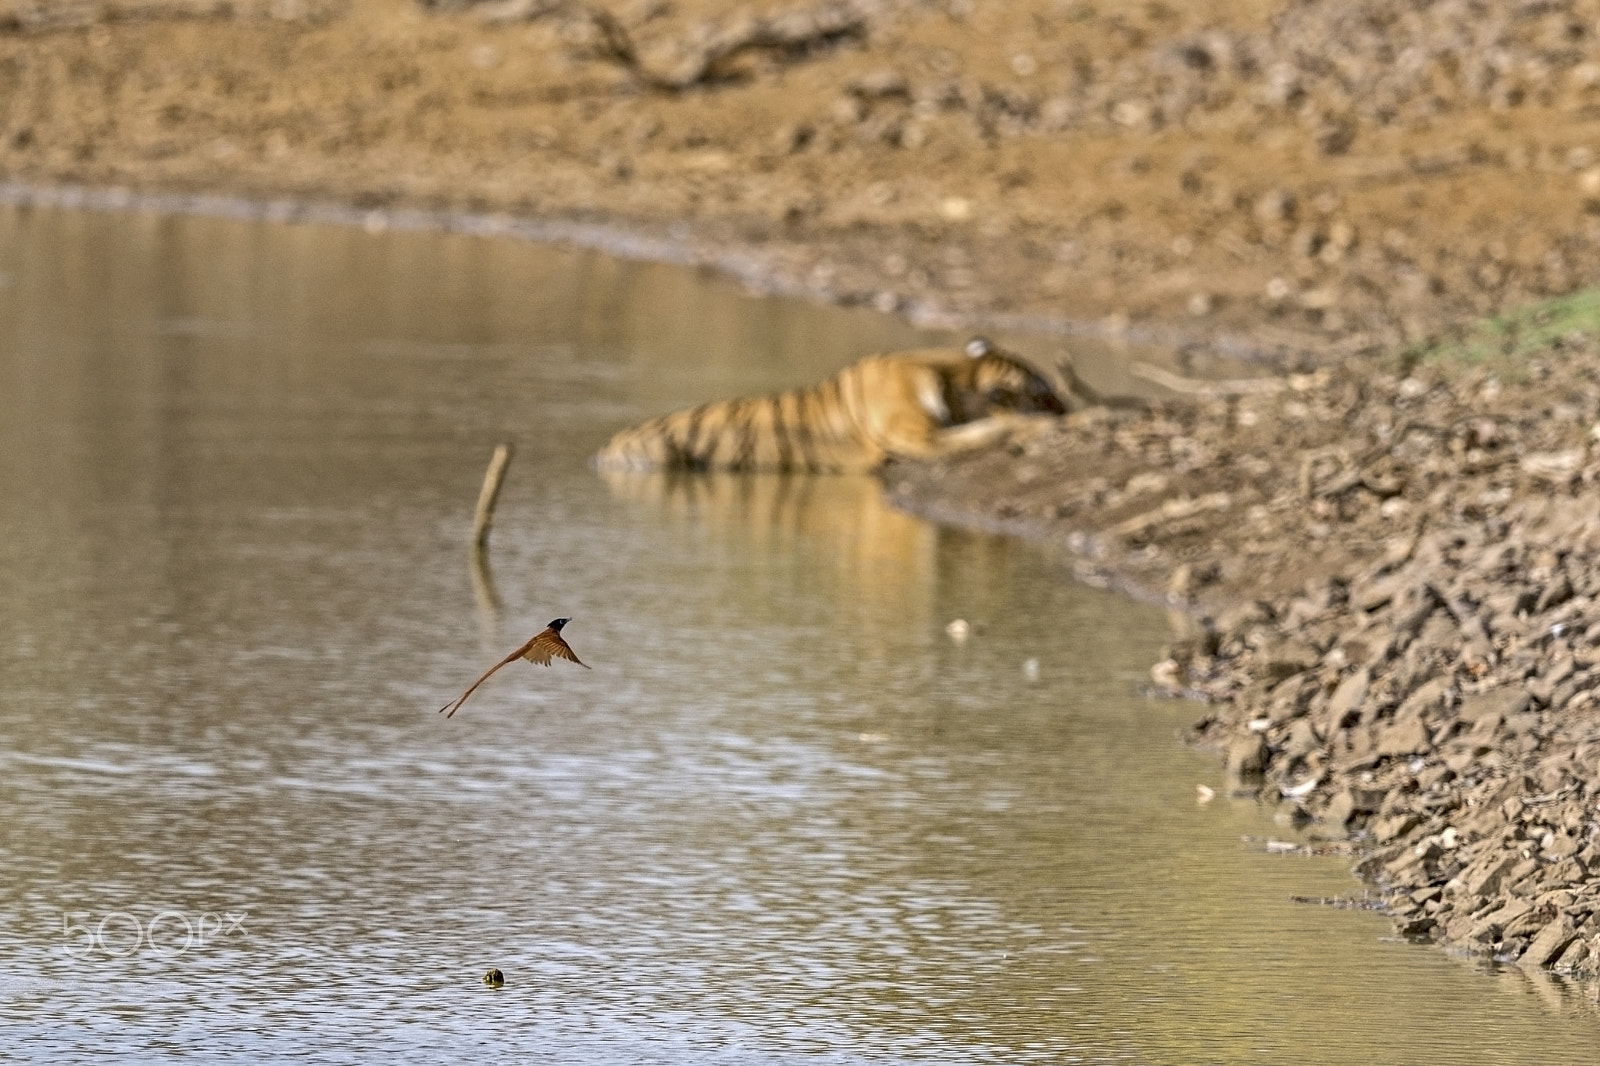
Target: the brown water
pixel 785 818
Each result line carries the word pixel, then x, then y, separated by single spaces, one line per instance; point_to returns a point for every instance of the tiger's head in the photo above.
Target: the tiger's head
pixel 993 380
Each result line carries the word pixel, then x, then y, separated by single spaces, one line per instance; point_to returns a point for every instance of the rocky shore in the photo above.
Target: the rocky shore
pixel 1391 556
pixel 1395 570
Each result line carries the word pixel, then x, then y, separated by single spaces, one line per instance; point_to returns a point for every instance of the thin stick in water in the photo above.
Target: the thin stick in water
pixel 493 479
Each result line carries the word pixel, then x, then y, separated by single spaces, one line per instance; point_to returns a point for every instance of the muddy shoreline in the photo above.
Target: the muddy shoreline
pixel 756 269
pixel 1387 550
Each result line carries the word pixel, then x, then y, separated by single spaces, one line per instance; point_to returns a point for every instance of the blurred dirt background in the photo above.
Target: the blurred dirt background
pixel 1321 177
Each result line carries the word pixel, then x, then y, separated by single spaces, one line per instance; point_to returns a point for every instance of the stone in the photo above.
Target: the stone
pixel 1339 810
pixel 1237 618
pixel 1302 740
pixel 1518 878
pixel 1348 697
pixel 1459 930
pixel 1368 800
pixel 1393 826
pixel 1485 875
pixel 1403 738
pixel 1504 702
pixel 1593 961
pixel 1427 698
pixel 1248 755
pixel 1558 899
pixel 1550 942
pixel 1572 960
pixel 1288 700
pixel 1522 919
pixel 1379 593
pixel 1512 947
pixel 1416 928
pixel 1561 846
pixel 1555 674
pixel 1554 594
pixel 1490 927
pixel 1286 658
pixel 1349 803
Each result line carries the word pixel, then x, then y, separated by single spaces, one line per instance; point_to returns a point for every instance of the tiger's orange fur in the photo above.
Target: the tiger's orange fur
pixel 915 404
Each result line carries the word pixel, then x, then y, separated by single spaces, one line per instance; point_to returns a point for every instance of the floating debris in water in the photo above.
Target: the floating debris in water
pixel 1344 903
pixel 1030 669
pixel 958 630
pixel 1204 793
pixel 494 979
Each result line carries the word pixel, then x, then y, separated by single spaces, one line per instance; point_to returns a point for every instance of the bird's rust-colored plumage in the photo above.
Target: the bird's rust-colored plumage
pixel 544 646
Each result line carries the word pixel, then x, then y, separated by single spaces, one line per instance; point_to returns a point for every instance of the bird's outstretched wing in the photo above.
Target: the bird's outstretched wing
pixel 545 645
pixel 548 644
pixel 449 710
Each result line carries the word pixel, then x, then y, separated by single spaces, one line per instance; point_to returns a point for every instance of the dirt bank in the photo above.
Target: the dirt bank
pixel 1396 556
pixel 1397 572
pixel 1319 177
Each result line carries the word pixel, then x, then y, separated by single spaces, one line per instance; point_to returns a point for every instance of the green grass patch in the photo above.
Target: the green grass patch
pixel 1506 340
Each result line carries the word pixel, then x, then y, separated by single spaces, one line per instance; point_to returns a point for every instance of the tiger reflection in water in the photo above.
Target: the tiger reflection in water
pixel 910 405
pixel 726 470
pixel 793 544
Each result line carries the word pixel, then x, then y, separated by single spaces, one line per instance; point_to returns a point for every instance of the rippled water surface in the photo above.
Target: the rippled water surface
pixel 785 818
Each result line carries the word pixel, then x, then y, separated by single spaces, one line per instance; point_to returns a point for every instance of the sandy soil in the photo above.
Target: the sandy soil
pixel 1321 177
pixel 1387 556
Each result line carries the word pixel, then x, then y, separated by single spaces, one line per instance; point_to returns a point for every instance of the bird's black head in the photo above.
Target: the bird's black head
pixel 558 623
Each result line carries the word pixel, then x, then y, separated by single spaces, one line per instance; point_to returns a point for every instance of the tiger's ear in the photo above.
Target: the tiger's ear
pixel 978 347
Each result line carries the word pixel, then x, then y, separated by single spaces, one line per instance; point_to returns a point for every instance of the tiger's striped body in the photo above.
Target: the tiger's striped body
pixel 917 404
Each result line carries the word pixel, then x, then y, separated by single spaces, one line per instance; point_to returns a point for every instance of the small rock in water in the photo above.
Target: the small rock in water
pixel 1166 674
pixel 494 979
pixel 1247 755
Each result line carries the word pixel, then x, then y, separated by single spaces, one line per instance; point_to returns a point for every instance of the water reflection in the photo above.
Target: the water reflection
pixel 829 536
pixel 784 818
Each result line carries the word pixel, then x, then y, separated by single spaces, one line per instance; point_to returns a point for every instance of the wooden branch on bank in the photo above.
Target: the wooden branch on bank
pixel 1202 387
pixel 696 58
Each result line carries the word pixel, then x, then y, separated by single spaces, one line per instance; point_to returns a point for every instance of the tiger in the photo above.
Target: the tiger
pixel 922 404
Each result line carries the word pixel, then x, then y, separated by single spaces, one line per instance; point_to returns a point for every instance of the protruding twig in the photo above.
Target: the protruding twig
pixel 483 517
pixel 707 48
pixel 493 479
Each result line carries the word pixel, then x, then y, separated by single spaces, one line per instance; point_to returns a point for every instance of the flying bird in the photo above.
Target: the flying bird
pixel 545 646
